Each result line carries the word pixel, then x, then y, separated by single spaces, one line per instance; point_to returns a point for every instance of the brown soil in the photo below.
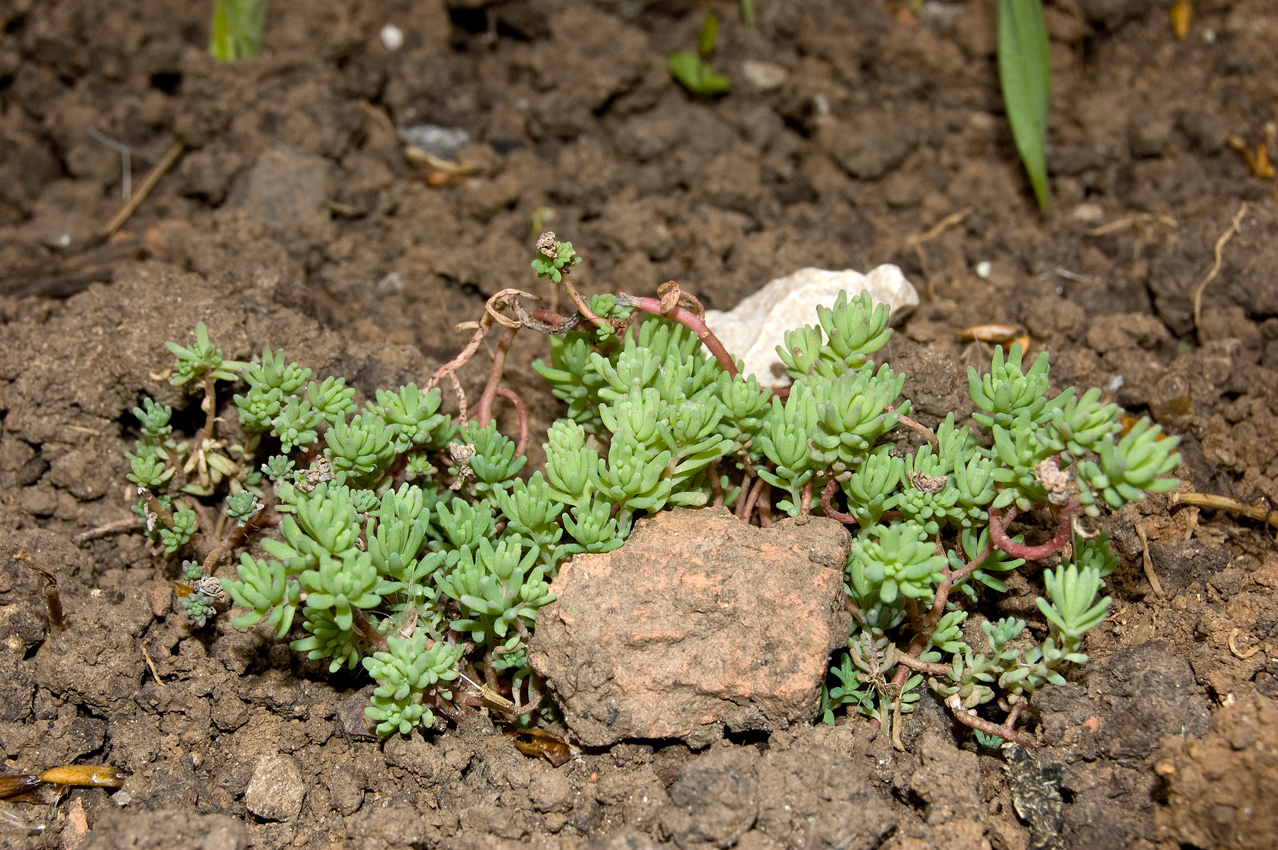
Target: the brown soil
pixel 293 220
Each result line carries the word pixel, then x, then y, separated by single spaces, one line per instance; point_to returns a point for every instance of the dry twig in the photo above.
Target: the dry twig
pixel 1235 225
pixel 152 178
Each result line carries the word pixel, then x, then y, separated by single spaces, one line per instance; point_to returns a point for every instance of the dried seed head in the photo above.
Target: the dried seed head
pixel 1057 482
pixel 321 471
pixel 548 245
pixel 927 483
pixel 209 586
pixel 461 455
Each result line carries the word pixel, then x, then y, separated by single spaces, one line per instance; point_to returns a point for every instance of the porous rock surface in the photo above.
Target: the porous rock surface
pixel 699 622
pixel 758 324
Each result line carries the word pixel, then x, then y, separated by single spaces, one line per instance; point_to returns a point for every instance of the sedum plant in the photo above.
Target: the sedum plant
pixel 413 543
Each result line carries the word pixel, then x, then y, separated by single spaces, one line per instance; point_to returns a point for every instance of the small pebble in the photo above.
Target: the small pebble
pixel 764 76
pixel 392 37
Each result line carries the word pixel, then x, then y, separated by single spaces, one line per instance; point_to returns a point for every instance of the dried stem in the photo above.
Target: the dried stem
pixel 52 600
pixel 210 403
pixel 153 506
pixel 916 427
pixel 152 178
pixel 117 527
pixel 261 519
pixel 931 668
pixel 480 329
pixel 1260 513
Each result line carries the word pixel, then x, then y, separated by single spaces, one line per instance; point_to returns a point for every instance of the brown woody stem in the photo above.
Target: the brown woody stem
pixel 827 504
pixel 973 722
pixel 372 635
pixel 916 427
pixel 161 513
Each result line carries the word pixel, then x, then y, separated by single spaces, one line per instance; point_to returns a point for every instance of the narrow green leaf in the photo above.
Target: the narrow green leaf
pixel 1025 72
pixel 709 35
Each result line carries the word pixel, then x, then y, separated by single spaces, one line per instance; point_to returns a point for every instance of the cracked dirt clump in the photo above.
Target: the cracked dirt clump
pixel 676 634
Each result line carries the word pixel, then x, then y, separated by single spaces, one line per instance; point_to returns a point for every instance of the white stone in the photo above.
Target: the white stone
pixel 392 37
pixel 756 326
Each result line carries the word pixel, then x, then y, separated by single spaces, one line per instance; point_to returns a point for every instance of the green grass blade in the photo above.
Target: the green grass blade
pixel 220 40
pixel 237 28
pixel 1025 72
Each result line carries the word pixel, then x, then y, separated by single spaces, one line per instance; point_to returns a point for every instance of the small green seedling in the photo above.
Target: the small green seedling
pixel 693 71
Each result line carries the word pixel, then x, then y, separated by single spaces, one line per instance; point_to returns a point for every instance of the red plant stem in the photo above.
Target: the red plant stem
pixel 716 487
pixel 485 410
pixel 998 533
pixel 805 499
pixel 689 320
pixel 1015 713
pixel 827 504
pixel 912 612
pixel 973 722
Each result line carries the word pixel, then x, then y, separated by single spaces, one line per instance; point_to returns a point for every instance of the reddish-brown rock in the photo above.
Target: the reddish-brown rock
pixel 697 623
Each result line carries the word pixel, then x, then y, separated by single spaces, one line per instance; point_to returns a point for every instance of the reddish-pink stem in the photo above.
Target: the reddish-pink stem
pixel 485 409
pixel 689 320
pixel 742 497
pixel 582 306
pixel 998 533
